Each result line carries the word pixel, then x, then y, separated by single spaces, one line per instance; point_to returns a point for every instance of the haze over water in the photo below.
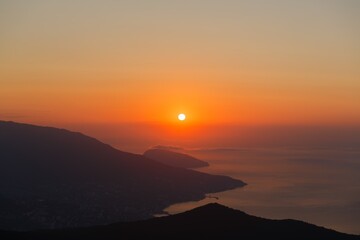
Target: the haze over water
pixel 321 185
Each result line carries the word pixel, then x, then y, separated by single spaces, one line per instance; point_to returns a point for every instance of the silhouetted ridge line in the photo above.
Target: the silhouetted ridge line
pixel 205 222
pixel 174 159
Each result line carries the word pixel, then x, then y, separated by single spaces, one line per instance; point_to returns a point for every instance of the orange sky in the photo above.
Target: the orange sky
pixel 225 62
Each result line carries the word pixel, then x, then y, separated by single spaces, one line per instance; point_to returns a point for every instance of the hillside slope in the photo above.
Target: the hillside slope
pixel 206 222
pixel 54 178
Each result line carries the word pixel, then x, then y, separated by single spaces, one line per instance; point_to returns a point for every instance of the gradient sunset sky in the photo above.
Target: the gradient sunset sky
pixel 220 62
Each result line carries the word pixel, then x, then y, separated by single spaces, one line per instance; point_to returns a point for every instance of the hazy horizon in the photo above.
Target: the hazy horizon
pixel 137 137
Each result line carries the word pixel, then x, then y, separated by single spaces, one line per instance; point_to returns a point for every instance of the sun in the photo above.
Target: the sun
pixel 181 117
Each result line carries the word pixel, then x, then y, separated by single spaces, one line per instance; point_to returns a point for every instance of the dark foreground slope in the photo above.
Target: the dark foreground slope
pixel 174 158
pixel 54 178
pixel 206 222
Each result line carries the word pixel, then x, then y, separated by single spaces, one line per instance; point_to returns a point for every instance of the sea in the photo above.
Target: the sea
pixel 315 185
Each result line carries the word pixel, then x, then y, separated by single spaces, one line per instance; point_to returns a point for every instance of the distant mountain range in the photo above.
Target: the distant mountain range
pixel 175 159
pixel 54 178
pixel 212 221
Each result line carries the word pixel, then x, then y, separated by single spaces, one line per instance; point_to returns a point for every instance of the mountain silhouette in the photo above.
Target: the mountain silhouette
pixel 55 178
pixel 210 221
pixel 175 159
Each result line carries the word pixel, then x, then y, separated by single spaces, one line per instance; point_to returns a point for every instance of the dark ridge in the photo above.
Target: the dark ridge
pixel 53 178
pixel 174 159
pixel 207 222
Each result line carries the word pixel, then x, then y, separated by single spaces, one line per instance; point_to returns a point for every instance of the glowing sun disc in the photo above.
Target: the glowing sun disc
pixel 181 117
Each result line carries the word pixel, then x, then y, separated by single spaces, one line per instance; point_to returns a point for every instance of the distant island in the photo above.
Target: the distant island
pixel 206 222
pixel 53 178
pixel 175 159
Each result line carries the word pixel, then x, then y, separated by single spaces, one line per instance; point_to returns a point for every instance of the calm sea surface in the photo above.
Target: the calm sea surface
pixel 320 186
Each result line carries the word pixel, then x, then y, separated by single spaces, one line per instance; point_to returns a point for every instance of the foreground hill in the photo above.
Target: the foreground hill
pixel 206 222
pixel 174 158
pixel 54 178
